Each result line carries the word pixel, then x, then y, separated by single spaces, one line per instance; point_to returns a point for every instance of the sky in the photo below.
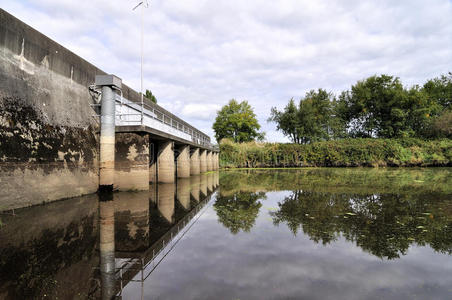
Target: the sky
pixel 199 54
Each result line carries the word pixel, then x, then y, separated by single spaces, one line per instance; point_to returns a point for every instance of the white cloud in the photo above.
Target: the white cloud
pixel 200 54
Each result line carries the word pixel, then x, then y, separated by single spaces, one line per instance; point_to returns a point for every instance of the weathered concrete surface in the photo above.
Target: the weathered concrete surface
pixel 131 162
pixel 183 192
pixel 203 160
pixel 215 161
pixel 183 162
pixel 165 163
pixel 194 162
pixel 48 144
pixel 209 159
pixel 165 200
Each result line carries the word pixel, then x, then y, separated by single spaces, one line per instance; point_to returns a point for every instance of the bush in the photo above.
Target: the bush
pixel 341 153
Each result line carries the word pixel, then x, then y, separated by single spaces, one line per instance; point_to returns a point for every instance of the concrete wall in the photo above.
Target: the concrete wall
pixel 48 145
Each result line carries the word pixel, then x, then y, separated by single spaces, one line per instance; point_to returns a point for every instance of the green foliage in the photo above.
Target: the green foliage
pixel 340 153
pixel 308 122
pixel 440 90
pixel 442 125
pixel 378 106
pixel 150 96
pixel 238 122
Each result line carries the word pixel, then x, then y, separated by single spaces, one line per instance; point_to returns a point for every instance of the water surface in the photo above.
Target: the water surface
pixel 260 234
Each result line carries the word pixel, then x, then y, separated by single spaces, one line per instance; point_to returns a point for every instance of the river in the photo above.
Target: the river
pixel 242 234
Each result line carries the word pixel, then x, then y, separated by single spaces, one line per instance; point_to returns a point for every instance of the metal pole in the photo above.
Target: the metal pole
pixel 107 140
pixel 142 101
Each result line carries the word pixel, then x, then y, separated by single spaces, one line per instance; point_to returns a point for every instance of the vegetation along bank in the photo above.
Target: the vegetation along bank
pixel 368 152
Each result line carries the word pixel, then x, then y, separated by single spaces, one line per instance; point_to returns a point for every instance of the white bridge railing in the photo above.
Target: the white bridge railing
pixel 130 113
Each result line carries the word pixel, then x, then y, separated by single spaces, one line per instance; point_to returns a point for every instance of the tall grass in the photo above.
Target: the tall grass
pixel 340 153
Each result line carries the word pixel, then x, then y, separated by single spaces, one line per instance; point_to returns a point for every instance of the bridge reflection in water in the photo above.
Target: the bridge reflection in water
pixel 146 227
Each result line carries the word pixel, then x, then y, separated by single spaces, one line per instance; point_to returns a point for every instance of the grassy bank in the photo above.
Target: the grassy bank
pixel 340 153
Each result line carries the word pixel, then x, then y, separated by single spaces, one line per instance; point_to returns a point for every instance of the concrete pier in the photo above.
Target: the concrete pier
pixel 209 159
pixel 203 160
pixel 215 161
pixel 165 163
pixel 131 162
pixel 183 162
pixel 194 162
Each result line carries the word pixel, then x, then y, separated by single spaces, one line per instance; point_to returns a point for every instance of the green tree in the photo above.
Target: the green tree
pixel 440 90
pixel 238 122
pixel 150 96
pixel 377 107
pixel 310 121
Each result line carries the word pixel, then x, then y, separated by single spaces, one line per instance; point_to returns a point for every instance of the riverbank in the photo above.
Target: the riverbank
pixel 339 153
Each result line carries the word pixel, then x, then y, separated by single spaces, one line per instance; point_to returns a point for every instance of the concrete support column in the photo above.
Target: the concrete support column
pixel 107 140
pixel 214 160
pixel 209 161
pixel 203 160
pixel 218 161
pixel 165 163
pixel 183 162
pixel 194 162
pixel 132 162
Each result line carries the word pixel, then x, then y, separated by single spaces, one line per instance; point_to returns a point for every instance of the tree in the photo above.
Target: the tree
pixel 310 121
pixel 440 90
pixel 377 107
pixel 238 122
pixel 150 96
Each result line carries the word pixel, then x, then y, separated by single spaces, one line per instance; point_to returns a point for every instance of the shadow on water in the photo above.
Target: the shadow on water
pixel 90 248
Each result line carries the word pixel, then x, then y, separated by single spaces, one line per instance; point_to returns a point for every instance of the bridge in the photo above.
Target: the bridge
pixel 58 138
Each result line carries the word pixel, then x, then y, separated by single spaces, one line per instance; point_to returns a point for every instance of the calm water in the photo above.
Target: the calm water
pixel 261 234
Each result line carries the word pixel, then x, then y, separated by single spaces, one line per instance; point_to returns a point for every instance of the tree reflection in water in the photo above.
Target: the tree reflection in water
pixel 384 225
pixel 238 211
pixel 383 211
